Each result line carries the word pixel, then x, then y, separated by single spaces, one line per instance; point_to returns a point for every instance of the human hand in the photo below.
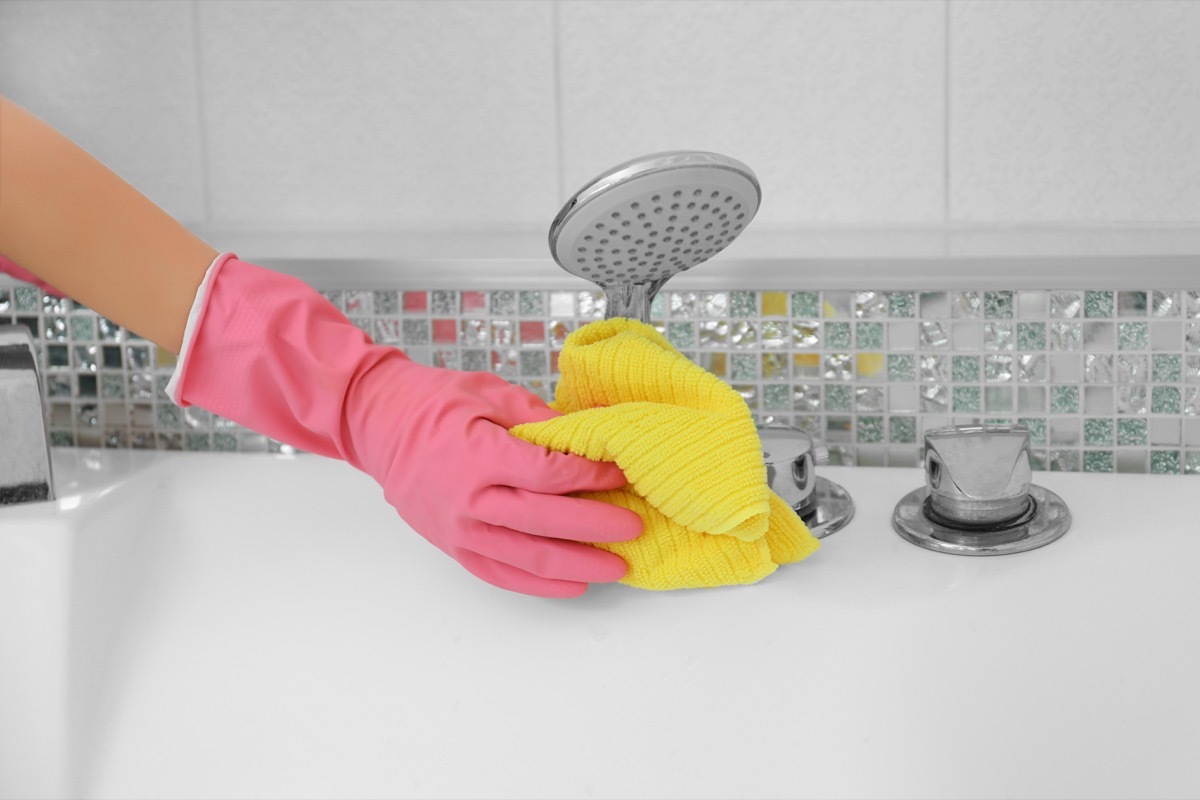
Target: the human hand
pixel 437 440
pixel 269 352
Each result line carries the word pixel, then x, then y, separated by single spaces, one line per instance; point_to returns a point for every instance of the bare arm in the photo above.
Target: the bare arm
pixel 76 224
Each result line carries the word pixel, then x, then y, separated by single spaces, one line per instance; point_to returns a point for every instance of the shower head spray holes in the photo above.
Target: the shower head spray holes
pixel 654 217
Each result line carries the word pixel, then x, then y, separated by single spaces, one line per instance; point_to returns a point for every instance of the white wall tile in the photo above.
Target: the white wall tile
pixel 838 106
pixel 380 115
pixel 119 78
pixel 1075 111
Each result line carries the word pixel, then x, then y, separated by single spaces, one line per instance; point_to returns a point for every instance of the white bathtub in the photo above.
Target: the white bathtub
pixel 264 626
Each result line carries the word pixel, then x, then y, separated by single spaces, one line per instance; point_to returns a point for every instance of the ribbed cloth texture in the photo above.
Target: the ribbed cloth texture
pixel 689 448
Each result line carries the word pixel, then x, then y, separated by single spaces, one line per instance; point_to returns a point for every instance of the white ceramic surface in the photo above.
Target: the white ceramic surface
pixel 245 625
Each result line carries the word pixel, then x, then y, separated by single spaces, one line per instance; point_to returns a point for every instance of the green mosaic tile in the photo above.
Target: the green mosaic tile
pixel 902 304
pixel 198 442
pixel 743 304
pixel 745 367
pixel 1097 304
pixel 967 399
pixel 1037 428
pixel 503 303
pixel 965 369
pixel 682 334
pixel 901 368
pixel 443 302
pixel 1097 461
pixel 1131 432
pixel 998 305
pixel 1168 369
pixel 837 335
pixel 1064 399
pixel 475 360
pixel 387 302
pixel 1164 462
pixel 838 398
pixel 777 396
pixel 415 331
pixel 25 298
pixel 657 306
pixel 902 430
pixel 806 304
pixel 1132 335
pixel 83 327
pixel 1031 335
pixel 869 335
pixel 224 442
pixel 1097 431
pixel 62 439
pixel 112 387
pixel 1165 400
pixel 532 304
pixel 870 429
pixel 168 416
pixel 534 362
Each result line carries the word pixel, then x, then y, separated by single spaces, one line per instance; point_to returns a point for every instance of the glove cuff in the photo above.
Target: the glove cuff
pixel 195 316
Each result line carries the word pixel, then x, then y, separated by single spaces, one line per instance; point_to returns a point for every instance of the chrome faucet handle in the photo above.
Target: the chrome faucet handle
pixel 791 459
pixel 979 497
pixel 978 474
pixel 788 453
pixel 25 471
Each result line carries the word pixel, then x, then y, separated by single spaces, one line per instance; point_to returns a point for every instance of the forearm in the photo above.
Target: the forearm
pixel 77 225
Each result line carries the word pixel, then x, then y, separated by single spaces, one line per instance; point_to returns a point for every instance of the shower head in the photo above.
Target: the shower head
pixel 635 226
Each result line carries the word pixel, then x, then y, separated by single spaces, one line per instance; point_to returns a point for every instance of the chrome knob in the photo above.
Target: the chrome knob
pixel 824 506
pixel 976 474
pixel 979 498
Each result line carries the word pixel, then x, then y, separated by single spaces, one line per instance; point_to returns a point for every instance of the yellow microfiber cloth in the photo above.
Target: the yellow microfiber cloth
pixel 689 448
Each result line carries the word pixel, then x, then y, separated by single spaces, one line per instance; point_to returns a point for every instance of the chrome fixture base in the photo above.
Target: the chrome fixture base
pixel 829 510
pixel 1045 520
pixel 26 470
pixel 824 506
pixel 978 498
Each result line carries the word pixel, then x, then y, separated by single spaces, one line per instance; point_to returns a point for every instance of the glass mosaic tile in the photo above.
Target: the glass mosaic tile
pixel 1133 336
pixel 1097 304
pixel 1164 462
pixel 837 335
pixel 743 304
pixel 1108 381
pixel 1031 335
pixel 1164 304
pixel 1066 305
pixel 998 305
pixel 838 398
pixel 806 304
pixel 869 336
pixel 1165 400
pixel 967 399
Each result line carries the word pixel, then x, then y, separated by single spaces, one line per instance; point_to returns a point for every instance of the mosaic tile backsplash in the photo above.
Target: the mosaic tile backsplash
pixel 1105 381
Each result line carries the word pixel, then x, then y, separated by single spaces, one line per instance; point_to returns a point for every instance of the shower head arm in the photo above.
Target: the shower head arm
pixel 631 300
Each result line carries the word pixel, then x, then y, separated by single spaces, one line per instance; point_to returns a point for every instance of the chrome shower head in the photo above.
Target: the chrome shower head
pixel 635 226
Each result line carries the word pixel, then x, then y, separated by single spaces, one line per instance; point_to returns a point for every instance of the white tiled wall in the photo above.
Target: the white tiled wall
pixel 341 115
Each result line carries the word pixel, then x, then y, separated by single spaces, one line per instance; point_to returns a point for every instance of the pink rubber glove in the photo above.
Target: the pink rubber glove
pixel 10 267
pixel 268 352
